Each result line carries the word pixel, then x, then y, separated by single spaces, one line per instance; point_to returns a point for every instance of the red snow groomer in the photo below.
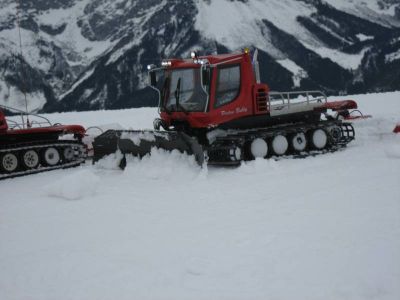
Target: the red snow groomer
pixel 216 108
pixel 35 146
pixel 397 128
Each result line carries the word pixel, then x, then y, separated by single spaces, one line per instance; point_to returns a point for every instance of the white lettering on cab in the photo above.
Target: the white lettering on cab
pixel 227 113
pixel 241 110
pixel 238 110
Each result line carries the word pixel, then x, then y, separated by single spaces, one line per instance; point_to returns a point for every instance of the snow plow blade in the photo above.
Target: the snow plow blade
pixel 139 143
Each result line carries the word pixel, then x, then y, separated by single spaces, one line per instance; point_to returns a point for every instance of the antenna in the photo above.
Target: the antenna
pixel 256 66
pixel 22 66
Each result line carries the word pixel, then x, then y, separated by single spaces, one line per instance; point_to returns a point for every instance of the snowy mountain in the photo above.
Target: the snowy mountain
pixel 91 54
pixel 320 228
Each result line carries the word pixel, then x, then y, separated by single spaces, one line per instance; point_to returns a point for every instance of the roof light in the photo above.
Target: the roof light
pixel 193 54
pixel 149 67
pixel 246 50
pixel 166 63
pixel 200 61
pixel 203 61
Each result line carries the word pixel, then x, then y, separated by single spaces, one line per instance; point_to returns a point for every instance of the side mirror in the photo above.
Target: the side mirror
pixel 205 76
pixel 153 78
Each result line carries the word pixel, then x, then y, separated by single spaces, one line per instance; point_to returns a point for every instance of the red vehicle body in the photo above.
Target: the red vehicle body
pixel 217 105
pixel 249 108
pixel 397 128
pixel 16 135
pixel 3 123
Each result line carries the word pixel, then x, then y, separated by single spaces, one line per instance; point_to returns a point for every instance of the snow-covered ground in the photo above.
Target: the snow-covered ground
pixel 325 227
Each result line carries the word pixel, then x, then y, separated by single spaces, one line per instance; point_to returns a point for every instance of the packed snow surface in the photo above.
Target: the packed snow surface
pixel 324 227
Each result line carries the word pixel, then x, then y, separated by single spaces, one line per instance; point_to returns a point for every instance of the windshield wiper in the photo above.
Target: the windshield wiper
pixel 178 95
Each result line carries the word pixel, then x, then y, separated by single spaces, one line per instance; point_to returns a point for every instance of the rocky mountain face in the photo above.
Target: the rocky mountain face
pixel 92 54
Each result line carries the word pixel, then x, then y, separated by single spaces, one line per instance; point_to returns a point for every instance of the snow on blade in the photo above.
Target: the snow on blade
pixel 137 137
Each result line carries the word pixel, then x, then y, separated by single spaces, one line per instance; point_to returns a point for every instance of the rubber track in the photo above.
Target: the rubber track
pixel 240 137
pixel 287 129
pixel 39 145
pixel 301 155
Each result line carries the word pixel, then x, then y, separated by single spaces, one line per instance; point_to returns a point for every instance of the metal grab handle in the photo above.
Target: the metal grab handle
pixel 23 114
pixel 286 96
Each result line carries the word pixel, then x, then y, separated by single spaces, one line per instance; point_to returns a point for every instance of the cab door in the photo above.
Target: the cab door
pixel 230 94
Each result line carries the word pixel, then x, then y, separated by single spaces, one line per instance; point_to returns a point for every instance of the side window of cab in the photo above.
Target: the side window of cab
pixel 228 85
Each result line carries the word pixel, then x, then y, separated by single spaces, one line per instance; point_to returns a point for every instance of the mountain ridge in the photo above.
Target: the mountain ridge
pixel 81 55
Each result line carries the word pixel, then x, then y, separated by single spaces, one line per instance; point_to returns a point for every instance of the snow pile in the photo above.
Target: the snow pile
pixel 110 162
pixel 166 166
pixel 78 185
pixel 157 165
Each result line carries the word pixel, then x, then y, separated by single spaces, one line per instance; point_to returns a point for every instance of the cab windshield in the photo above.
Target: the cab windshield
pixel 182 91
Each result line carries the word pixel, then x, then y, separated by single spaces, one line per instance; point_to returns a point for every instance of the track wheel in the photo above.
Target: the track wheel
pixel 335 134
pixel 68 154
pixel 30 159
pixel 298 142
pixel 280 144
pixel 259 148
pixel 235 154
pixel 319 139
pixel 51 156
pixel 9 162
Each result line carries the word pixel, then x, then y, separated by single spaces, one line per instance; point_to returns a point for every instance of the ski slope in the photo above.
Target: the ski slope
pixel 325 227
